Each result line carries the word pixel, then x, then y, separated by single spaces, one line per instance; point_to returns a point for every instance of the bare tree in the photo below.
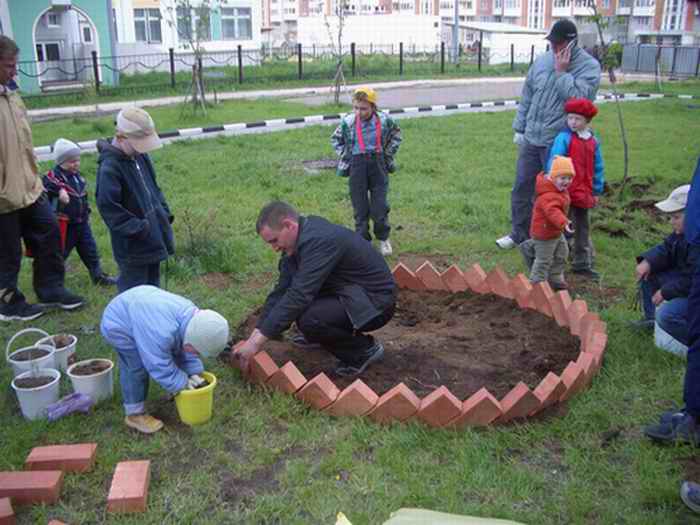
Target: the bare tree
pixel 335 35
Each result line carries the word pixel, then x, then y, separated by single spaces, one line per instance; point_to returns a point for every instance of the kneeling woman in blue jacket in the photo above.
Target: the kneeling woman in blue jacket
pixel 159 335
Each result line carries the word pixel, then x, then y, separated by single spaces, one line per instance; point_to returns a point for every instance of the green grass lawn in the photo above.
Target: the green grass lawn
pixel 265 458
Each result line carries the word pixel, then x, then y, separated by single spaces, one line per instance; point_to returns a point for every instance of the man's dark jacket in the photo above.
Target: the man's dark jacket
pixel 329 260
pixel 673 255
pixel 133 207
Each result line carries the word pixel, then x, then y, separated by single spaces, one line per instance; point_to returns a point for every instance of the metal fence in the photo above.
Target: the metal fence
pixel 674 61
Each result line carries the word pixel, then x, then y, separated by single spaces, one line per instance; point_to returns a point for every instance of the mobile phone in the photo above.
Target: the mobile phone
pixel 571 45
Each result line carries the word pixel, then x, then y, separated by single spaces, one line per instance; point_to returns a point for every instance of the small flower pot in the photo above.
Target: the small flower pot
pixel 31 357
pixel 36 390
pixel 93 377
pixel 65 348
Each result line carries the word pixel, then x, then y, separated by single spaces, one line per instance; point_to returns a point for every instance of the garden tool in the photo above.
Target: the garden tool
pixel 195 381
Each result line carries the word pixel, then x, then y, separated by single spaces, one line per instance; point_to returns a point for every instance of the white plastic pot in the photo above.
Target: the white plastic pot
pixel 61 355
pixel 19 367
pixel 98 386
pixel 34 401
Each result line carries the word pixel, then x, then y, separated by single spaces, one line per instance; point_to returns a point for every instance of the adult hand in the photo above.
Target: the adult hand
pixel 569 228
pixel 519 139
pixel 657 298
pixel 643 270
pixel 243 352
pixel 63 197
pixel 562 60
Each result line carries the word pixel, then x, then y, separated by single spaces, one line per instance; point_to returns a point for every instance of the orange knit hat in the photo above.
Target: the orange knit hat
pixel 561 167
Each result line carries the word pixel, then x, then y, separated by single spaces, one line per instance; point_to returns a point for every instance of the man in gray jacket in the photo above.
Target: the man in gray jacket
pixel 564 72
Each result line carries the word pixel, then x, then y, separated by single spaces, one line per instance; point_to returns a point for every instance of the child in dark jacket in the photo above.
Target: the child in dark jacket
pixel 546 251
pixel 578 142
pixel 67 191
pixel 665 273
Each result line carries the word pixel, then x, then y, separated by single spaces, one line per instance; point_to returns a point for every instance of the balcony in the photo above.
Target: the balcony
pixel 624 8
pixel 647 10
pixel 560 12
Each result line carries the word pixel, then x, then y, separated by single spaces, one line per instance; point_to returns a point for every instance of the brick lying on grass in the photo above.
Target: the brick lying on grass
pixel 68 458
pixel 31 486
pixel 129 490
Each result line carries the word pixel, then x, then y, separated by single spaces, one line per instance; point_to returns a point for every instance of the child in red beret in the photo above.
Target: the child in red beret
pixel 579 143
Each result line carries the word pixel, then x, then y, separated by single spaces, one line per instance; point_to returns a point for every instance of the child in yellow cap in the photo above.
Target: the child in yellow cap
pixel 366 142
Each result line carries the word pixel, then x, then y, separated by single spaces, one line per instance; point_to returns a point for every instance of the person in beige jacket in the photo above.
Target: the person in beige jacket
pixel 25 212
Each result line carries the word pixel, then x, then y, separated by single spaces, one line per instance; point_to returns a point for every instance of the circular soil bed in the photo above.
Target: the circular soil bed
pixel 464 341
pixel 33 382
pixel 30 354
pixel 92 368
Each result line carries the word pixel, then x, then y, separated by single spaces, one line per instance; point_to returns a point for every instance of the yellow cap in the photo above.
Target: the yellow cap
pixel 368 92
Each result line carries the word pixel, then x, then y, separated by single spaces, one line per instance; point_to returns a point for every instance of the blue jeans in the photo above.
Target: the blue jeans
pixel 134 380
pixel 79 236
pixel 650 286
pixel 691 388
pixel 531 160
pixel 672 317
pixel 130 276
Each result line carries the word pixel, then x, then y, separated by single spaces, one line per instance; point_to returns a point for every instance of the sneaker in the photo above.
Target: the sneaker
pixel 143 423
pixel 102 279
pixel 690 494
pixel 385 248
pixel 667 417
pixel 680 430
pixel 588 273
pixel 18 309
pixel 65 300
pixel 299 340
pixel 557 286
pixel 506 242
pixel 374 354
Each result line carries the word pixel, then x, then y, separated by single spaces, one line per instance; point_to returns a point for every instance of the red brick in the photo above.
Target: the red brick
pixel 585 322
pixel 576 311
pixel 35 486
pixel 560 307
pixel 234 361
pixel 592 328
pixel 262 368
pixel 499 283
pixel 405 278
pixel 129 490
pixel 476 279
pixel 550 389
pixel 519 403
pixel 454 279
pixel 597 347
pixel 479 410
pixel 356 400
pixel 587 362
pixel 68 458
pixel 574 378
pixel 398 404
pixel 521 289
pixel 287 379
pixel 319 392
pixel 542 296
pixel 7 513
pixel 439 407
pixel 430 277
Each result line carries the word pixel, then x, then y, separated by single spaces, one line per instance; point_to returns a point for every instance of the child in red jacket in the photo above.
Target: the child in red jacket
pixel 546 251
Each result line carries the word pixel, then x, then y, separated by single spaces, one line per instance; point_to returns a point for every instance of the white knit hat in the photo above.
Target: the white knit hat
pixel 207 332
pixel 64 149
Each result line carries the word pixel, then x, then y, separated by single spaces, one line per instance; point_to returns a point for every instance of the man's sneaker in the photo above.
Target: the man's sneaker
pixel 65 300
pixel 374 354
pixel 589 273
pixel 143 423
pixel 19 310
pixel 558 285
pixel 299 340
pixel 506 242
pixel 102 279
pixel 385 248
pixel 678 430
pixel 690 494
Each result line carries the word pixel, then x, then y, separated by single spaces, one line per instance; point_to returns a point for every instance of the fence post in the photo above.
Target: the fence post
pixel 352 54
pixel 673 61
pixel 532 54
pixel 512 57
pixel 481 37
pixel 442 57
pixel 697 64
pixel 639 56
pixel 314 48
pixel 171 53
pixel 300 63
pixel 240 64
pixel 96 71
pixel 400 58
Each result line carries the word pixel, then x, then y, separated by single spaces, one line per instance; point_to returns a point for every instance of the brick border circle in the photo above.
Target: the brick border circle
pixel 441 408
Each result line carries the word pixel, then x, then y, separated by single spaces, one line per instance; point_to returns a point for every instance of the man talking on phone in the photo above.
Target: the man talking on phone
pixel 565 71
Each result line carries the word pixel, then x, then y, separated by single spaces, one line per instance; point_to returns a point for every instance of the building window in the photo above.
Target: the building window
pixel 237 23
pixel 497 5
pixel 87 35
pixel 673 15
pixel 512 4
pixel 644 3
pixel 53 19
pixel 147 25
pixel 562 3
pixel 606 4
pixel 195 21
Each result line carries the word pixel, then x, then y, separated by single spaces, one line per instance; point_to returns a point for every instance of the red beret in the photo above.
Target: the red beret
pixel 581 106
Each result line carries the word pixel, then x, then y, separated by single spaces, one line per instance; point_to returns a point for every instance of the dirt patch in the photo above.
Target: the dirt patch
pixel 464 341
pixel 91 368
pixel 264 281
pixel 33 382
pixel 582 286
pixel 691 468
pixel 30 354
pixel 62 340
pixel 216 280
pixel 317 167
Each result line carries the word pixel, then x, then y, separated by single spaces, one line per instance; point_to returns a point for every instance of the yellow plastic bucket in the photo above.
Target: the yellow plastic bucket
pixel 195 406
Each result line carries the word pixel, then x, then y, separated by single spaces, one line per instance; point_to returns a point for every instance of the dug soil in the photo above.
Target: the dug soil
pixel 62 340
pixel 33 382
pixel 30 354
pixel 88 369
pixel 463 341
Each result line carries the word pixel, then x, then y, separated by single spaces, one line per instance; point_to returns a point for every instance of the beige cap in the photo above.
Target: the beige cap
pixel 207 331
pixel 137 126
pixel 676 201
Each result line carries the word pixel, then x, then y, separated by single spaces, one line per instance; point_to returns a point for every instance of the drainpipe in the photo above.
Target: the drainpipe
pixel 112 42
